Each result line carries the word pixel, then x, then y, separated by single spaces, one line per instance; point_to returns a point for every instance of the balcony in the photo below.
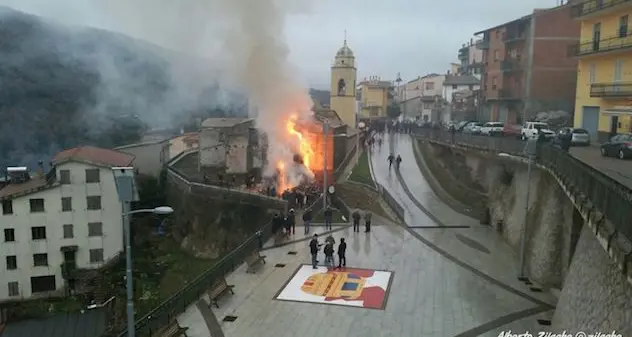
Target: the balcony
pixel 591 8
pixel 612 44
pixel 510 64
pixel 512 36
pixel 611 90
pixel 482 44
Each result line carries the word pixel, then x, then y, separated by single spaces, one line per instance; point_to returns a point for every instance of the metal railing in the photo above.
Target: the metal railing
pixel 612 198
pixel 613 89
pixel 613 43
pixel 150 324
pixel 482 44
pixel 593 6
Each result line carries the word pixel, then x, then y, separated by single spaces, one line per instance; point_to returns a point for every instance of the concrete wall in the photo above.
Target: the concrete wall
pixel 552 230
pixel 211 221
pixel 596 296
pixel 149 157
pixel 562 251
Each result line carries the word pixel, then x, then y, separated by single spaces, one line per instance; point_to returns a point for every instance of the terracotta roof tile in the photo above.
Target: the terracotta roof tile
pixel 95 155
pixel 33 184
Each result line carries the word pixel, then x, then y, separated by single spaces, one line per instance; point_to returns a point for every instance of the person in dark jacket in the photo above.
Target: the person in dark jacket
pixel 328 218
pixel 277 223
pixel 307 220
pixel 342 250
pixel 329 255
pixel 313 249
pixel 356 220
pixel 367 221
pixel 566 139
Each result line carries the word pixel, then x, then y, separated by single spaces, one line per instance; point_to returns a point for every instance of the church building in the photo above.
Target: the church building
pixel 343 86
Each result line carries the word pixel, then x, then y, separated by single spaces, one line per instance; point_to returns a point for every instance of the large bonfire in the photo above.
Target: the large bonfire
pixel 306 156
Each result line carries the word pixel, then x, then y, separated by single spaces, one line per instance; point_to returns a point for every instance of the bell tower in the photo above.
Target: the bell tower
pixel 343 85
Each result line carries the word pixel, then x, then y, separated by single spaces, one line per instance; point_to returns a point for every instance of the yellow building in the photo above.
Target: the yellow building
pixel 374 97
pixel 343 86
pixel 603 103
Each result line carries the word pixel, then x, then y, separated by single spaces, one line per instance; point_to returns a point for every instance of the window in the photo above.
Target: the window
pixel 592 73
pixel 14 289
pixel 7 207
pixel 454 86
pixel 69 232
pixel 494 80
pixel 40 284
pixel 496 55
pixel 66 204
pixel 96 255
pixel 40 260
pixel 618 70
pixel 12 262
pixel 37 205
pixel 94 202
pixel 623 26
pixel 95 229
pixel 427 105
pixel 429 85
pixel 92 176
pixel 38 233
pixel 9 235
pixel 64 177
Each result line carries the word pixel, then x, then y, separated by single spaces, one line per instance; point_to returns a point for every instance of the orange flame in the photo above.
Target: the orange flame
pixel 305 148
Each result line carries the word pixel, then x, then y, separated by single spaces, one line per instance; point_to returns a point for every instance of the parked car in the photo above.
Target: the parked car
pixel 461 125
pixel 512 130
pixel 492 129
pixel 619 146
pixel 473 128
pixel 580 136
pixel 531 129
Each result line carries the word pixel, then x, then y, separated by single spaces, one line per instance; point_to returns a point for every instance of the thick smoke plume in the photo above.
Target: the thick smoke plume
pixel 242 43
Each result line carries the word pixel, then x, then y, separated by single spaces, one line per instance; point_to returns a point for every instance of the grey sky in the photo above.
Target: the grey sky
pixel 413 37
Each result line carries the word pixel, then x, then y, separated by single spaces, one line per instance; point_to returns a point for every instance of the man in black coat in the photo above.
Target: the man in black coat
pixel 313 250
pixel 342 249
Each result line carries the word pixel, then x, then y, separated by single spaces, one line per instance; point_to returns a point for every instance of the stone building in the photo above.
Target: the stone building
pixel 230 144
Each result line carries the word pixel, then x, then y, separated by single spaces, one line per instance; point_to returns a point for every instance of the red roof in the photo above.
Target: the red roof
pixel 95 155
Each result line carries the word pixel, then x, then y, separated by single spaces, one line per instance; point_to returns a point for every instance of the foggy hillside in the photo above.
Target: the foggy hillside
pixel 63 86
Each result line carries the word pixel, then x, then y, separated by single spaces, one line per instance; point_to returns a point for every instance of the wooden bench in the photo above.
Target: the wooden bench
pixel 218 290
pixel 173 329
pixel 253 260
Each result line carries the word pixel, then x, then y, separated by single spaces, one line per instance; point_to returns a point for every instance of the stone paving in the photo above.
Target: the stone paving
pixel 445 282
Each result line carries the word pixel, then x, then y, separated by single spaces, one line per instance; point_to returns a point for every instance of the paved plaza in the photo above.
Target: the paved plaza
pixel 433 281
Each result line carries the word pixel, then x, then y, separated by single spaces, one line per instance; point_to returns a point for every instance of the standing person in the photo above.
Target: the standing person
pixel 328 218
pixel 342 249
pixel 452 132
pixel 367 221
pixel 356 220
pixel 390 160
pixel 307 220
pixel 291 222
pixel 313 249
pixel 398 161
pixel 329 240
pixel 329 255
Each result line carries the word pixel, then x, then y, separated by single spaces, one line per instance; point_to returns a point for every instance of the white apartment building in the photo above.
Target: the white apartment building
pixel 458 83
pixel 70 216
pixel 428 85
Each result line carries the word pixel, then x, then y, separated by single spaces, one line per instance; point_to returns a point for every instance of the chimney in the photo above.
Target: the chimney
pixel 40 168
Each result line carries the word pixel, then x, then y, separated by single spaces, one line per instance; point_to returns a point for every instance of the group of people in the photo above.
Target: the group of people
pixel 391 158
pixel 285 223
pixel 329 251
pixel 356 217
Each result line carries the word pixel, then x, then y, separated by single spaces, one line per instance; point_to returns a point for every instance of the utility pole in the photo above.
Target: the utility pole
pixel 530 151
pixel 325 135
pixel 527 80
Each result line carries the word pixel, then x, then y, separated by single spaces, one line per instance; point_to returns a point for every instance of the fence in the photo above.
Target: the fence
pixel 171 308
pixel 395 206
pixel 613 199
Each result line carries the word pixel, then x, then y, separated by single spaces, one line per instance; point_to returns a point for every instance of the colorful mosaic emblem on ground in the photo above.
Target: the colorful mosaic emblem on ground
pixel 353 287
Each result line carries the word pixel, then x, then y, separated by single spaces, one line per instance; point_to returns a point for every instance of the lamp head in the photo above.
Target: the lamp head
pixel 163 210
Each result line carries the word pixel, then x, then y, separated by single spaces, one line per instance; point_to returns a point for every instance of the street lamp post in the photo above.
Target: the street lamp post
pixel 326 133
pixel 163 210
pixel 530 151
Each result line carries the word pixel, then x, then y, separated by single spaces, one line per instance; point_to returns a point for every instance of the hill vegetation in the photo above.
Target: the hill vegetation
pixel 62 87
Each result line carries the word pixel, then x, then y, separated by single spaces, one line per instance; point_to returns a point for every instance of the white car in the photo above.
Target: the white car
pixel 531 130
pixel 492 129
pixel 473 128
